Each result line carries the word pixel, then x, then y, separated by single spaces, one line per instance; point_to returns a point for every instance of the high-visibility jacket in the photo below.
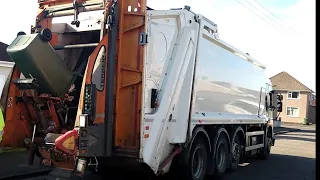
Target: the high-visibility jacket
pixel 1 124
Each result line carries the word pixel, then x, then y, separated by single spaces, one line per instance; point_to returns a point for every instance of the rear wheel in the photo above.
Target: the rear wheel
pixel 235 152
pixel 221 159
pixel 197 162
pixel 264 153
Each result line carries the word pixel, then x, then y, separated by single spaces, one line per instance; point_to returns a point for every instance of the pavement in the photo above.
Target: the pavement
pixel 288 127
pixel 285 128
pixel 292 157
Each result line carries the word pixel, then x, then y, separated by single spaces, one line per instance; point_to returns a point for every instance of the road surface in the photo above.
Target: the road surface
pixel 293 157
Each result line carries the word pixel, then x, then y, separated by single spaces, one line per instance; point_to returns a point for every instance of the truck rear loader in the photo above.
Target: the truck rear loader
pixel 97 81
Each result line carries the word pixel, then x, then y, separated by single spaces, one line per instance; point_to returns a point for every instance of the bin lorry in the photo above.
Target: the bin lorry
pixel 97 81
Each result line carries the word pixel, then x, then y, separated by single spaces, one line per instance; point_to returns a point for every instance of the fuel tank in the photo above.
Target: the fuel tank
pixel 37 59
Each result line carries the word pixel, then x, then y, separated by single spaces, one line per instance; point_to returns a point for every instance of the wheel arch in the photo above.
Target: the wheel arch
pixel 198 131
pixel 242 136
pixel 216 133
pixel 220 130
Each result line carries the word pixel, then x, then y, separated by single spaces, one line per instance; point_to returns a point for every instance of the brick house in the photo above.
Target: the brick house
pixel 298 100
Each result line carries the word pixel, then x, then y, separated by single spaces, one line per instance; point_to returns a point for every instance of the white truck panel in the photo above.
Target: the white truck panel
pixel 162 32
pixel 173 79
pixel 228 85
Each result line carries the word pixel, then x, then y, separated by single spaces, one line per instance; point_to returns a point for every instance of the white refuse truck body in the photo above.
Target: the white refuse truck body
pixel 197 78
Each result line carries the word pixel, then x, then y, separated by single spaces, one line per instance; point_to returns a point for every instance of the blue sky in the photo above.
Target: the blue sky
pixel 279 47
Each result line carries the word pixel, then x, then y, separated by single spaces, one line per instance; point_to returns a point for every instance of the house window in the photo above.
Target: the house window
pixel 293 111
pixel 293 95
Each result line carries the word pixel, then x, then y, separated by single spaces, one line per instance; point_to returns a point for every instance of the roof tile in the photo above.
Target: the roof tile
pixel 284 81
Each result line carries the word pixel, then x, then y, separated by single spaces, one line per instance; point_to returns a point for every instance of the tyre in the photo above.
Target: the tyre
pixel 197 162
pixel 264 153
pixel 221 158
pixel 235 152
pixel 46 35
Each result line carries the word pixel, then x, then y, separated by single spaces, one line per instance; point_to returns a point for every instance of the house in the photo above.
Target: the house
pixel 298 100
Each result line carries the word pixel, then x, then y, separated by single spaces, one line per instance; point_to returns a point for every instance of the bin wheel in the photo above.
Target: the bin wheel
pixel 21 33
pixel 46 35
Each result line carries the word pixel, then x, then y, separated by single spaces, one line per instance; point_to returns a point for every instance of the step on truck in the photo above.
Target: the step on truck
pixel 97 81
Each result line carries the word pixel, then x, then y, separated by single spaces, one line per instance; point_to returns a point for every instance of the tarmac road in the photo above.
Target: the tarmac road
pixel 293 157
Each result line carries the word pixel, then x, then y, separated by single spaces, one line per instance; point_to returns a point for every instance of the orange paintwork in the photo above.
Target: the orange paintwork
pixel 45 3
pixel 17 118
pixel 100 100
pixel 68 164
pixel 54 41
pixel 53 114
pixel 129 72
pixel 128 83
pixel 129 75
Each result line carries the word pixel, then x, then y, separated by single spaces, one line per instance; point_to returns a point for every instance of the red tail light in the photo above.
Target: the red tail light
pixel 67 142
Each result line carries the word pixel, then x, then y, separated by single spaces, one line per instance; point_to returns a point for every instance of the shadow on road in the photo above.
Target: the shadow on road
pixel 277 167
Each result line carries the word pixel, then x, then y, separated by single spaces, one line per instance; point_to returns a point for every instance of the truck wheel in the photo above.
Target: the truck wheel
pixel 221 159
pixel 264 152
pixel 197 163
pixel 235 152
